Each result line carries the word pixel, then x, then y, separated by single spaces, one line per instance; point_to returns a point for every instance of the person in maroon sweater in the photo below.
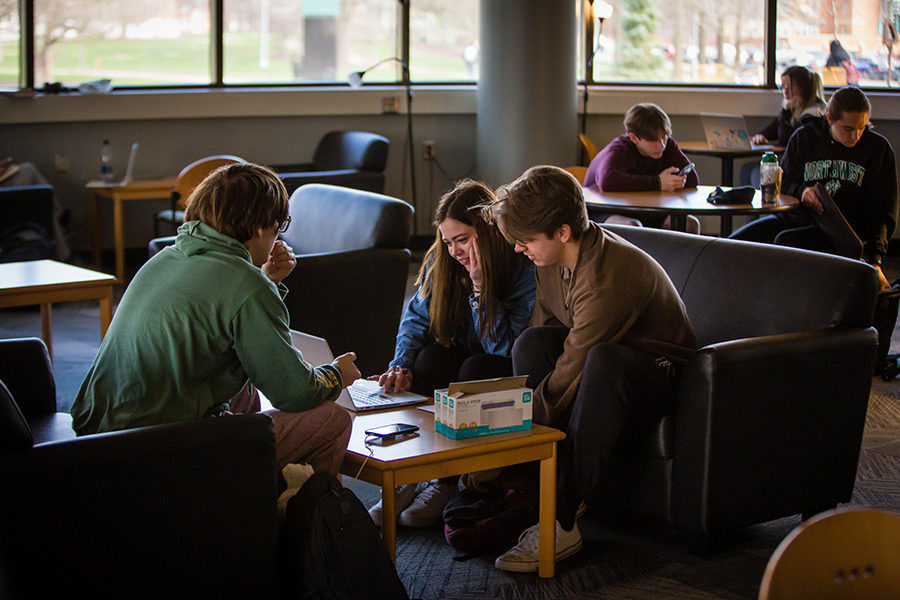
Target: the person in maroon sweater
pixel 645 159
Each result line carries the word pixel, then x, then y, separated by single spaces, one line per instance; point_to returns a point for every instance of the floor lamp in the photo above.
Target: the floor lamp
pixel 355 81
pixel 602 11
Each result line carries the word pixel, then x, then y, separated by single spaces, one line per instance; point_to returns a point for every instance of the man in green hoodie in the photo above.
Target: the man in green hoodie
pixel 204 318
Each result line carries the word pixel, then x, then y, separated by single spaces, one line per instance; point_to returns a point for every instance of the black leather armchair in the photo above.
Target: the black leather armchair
pixel 28 204
pixel 354 159
pixel 769 415
pixel 188 508
pixel 352 266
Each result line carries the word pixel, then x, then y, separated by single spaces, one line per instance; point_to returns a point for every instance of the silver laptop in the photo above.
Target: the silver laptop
pixel 129 172
pixel 729 132
pixel 362 395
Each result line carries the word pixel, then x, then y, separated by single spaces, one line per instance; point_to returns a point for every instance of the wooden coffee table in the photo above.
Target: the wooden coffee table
pixel 428 455
pixel 46 281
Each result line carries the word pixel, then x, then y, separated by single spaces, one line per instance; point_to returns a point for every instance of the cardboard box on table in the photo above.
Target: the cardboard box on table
pixel 474 408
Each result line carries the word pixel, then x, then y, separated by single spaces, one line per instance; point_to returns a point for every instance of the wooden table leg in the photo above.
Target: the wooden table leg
pixel 46 322
pixel 106 312
pixel 389 514
pixel 120 239
pixel 95 230
pixel 547 560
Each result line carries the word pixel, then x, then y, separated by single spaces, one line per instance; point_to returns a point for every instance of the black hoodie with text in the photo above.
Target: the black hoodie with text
pixel 862 179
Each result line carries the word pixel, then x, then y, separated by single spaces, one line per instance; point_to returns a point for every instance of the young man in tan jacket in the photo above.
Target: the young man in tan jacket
pixel 608 336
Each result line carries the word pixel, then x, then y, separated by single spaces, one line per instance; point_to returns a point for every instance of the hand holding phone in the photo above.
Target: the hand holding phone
pixel 389 431
pixel 685 170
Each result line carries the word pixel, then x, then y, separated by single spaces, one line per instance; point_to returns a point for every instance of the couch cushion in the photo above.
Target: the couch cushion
pixel 14 431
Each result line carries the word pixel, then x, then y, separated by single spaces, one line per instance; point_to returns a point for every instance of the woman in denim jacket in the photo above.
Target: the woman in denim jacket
pixel 475 297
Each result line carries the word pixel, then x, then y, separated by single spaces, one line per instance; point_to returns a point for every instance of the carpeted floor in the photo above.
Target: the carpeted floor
pixel 618 562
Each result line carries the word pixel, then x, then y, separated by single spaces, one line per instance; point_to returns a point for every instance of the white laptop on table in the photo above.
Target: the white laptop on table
pixel 729 132
pixel 362 395
pixel 129 172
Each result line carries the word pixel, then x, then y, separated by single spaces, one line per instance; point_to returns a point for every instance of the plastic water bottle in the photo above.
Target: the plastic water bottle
pixel 106 167
pixel 768 177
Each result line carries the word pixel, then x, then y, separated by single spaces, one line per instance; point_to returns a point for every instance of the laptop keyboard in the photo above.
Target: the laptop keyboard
pixel 363 397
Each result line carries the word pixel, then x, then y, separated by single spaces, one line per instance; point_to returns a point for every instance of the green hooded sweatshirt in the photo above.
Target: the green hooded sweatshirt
pixel 197 321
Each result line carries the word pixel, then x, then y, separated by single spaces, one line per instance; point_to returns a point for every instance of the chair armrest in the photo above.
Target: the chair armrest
pixel 371 181
pixel 26 371
pixel 771 426
pixel 352 299
pixel 189 506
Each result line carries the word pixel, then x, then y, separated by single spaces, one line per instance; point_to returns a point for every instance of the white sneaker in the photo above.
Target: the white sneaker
pixel 405 495
pixel 427 510
pixel 524 557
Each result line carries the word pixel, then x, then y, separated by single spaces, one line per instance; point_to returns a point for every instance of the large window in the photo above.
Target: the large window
pixel 9 44
pixel 288 42
pixel 691 41
pixel 131 42
pixel 724 41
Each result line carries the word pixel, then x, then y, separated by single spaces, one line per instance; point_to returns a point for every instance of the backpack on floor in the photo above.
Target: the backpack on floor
pixel 478 522
pixel 331 549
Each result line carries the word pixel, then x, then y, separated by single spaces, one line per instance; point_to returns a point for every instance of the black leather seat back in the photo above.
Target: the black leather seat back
pixel 772 294
pixel 351 150
pixel 327 218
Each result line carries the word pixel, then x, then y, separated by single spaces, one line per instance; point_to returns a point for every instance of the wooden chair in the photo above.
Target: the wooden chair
pixel 577 172
pixel 589 146
pixel 187 180
pixel 835 555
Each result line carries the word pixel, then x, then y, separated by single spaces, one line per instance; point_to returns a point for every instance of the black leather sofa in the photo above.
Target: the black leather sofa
pixel 354 159
pixel 769 415
pixel 184 510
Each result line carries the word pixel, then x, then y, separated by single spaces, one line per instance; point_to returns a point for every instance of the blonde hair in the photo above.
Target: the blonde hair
pixel 809 85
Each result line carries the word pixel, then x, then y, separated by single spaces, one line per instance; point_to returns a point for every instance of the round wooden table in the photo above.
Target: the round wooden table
pixel 726 155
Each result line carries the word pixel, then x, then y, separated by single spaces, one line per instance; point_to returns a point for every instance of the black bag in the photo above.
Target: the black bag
pixel 330 547
pixel 26 241
pixel 480 522
pixel 886 309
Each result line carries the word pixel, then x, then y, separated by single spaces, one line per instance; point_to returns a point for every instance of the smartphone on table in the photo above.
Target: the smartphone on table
pixel 393 430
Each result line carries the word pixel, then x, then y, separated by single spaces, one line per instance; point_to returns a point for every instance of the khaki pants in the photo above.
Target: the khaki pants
pixel 317 437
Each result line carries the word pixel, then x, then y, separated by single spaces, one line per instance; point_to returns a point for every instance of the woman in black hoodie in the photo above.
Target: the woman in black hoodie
pixel 856 166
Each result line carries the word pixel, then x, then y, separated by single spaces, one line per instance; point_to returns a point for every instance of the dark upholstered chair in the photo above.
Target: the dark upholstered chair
pixel 24 206
pixel 139 513
pixel 769 415
pixel 354 159
pixel 352 267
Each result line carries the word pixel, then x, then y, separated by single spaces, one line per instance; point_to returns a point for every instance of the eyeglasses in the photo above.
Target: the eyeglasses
pixel 284 226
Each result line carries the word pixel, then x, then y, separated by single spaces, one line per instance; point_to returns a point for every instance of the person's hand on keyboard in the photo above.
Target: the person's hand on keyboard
pixel 349 372
pixel 396 379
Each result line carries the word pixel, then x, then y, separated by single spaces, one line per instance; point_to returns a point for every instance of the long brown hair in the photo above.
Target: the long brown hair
pixel 809 86
pixel 447 282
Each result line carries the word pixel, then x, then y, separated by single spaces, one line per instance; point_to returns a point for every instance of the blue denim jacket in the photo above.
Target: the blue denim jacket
pixel 512 318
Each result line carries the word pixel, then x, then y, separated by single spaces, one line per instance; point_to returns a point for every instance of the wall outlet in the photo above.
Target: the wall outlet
pixel 429 150
pixel 62 162
pixel 390 105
